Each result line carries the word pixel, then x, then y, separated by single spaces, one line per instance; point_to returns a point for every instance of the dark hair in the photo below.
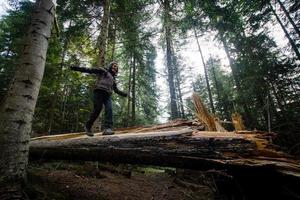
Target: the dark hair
pixel 110 66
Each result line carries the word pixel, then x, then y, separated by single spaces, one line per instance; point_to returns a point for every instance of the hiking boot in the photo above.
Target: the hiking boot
pixel 108 131
pixel 88 131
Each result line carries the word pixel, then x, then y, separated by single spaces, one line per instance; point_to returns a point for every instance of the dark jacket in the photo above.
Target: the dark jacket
pixel 105 79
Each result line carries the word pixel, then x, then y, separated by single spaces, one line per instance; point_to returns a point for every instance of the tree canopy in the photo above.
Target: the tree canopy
pixel 261 81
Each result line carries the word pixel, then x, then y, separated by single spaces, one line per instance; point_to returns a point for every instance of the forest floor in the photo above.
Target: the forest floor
pixel 91 180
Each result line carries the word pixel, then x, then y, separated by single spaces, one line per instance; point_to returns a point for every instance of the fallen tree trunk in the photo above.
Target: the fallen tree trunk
pixel 183 148
pixel 169 148
pixel 248 159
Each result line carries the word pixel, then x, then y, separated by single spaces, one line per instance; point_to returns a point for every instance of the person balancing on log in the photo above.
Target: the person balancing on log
pixel 103 88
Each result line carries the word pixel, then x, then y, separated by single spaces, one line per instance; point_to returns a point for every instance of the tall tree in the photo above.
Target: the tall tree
pixel 168 37
pixel 133 89
pixel 18 107
pixel 103 33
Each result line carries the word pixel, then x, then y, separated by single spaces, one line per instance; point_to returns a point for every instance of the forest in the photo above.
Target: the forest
pixel 41 41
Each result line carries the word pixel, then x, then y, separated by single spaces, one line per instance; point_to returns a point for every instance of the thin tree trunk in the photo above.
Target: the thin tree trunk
pixel 263 104
pixel 178 86
pixel 279 100
pixel 113 42
pixel 16 113
pixel 174 109
pixel 269 113
pixel 206 76
pixel 77 118
pixel 289 17
pixel 294 46
pixel 133 101
pixel 51 115
pixel 177 83
pixel 273 108
pixel 180 96
pixel 181 101
pixel 55 96
pixel 64 102
pixel 216 83
pixel 129 90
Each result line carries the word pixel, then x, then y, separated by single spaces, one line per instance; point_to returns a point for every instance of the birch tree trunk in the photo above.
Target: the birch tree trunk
pixel 17 110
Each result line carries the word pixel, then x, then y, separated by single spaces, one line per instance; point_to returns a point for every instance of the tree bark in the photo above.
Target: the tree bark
pixel 18 107
pixel 182 113
pixel 174 147
pixel 174 109
pixel 155 146
pixel 177 84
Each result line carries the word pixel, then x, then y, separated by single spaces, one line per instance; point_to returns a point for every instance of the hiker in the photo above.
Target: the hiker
pixel 102 95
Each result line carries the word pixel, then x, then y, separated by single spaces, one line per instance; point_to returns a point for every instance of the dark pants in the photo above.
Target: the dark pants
pixel 101 97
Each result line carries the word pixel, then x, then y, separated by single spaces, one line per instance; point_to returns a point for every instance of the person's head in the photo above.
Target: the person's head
pixel 113 67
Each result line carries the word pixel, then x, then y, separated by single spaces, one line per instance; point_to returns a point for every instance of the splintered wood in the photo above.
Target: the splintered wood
pixel 237 122
pixel 203 115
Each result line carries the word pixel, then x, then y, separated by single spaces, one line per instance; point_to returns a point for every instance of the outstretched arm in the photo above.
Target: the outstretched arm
pixel 119 92
pixel 89 70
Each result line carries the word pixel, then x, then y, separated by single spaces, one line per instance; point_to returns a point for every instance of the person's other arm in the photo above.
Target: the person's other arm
pixel 119 92
pixel 89 70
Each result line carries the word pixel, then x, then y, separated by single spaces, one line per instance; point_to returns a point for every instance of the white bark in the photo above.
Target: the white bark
pixel 17 110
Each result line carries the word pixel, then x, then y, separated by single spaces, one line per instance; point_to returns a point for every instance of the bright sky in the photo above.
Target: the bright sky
pixel 3 7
